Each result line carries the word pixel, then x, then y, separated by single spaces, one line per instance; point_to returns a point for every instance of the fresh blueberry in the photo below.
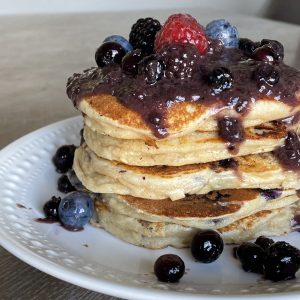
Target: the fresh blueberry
pixel 224 31
pixel 119 40
pixel 75 210
pixel 282 262
pixel 63 158
pixel 207 246
pixel 264 242
pixel 252 257
pixel 169 268
pixel 64 185
pixel 109 52
pixel 51 208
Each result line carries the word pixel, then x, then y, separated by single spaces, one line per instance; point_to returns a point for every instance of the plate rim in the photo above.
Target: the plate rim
pixel 102 285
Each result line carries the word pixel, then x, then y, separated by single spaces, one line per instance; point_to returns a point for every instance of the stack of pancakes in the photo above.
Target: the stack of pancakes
pixel 154 192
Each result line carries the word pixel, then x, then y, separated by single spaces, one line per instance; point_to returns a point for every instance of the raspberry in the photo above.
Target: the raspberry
pixel 142 34
pixel 182 28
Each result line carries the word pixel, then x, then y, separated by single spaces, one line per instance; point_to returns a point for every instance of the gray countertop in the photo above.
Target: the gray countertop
pixel 37 54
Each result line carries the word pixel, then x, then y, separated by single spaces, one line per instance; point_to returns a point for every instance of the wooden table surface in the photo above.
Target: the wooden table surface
pixel 37 54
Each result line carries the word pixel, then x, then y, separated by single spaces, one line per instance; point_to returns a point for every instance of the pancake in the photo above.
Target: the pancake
pixel 213 210
pixel 107 115
pixel 156 235
pixel 198 147
pixel 159 182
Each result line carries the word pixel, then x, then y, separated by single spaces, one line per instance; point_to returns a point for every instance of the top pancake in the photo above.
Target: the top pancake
pixel 107 115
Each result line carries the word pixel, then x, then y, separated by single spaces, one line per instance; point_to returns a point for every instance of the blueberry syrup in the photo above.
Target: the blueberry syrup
pixel 191 84
pixel 289 154
pixel 231 130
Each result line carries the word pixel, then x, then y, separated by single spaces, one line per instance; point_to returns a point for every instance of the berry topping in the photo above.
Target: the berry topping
pixel 119 40
pixel 63 158
pixel 130 62
pixel 182 29
pixel 207 246
pixel 276 46
pixel 152 69
pixel 264 242
pixel 252 257
pixel 231 129
pixel 75 210
pixel 51 208
pixel 64 185
pixel 266 74
pixel 222 30
pixel 282 262
pixel 289 154
pixel 155 118
pixel 247 46
pixel 180 60
pixel 220 79
pixel 142 34
pixel 265 53
pixel 108 53
pixel 169 268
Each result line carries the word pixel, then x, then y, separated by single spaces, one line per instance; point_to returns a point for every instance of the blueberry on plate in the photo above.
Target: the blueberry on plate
pixel 119 40
pixel 252 257
pixel 207 246
pixel 264 242
pixel 64 185
pixel 75 210
pixel 63 158
pixel 169 268
pixel 51 208
pixel 282 263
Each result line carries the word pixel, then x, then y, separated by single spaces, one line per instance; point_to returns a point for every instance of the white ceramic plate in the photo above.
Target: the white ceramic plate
pixel 92 258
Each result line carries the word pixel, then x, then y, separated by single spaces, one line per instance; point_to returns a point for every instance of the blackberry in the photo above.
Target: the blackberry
pixel 266 73
pixel 142 34
pixel 180 60
pixel 220 79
